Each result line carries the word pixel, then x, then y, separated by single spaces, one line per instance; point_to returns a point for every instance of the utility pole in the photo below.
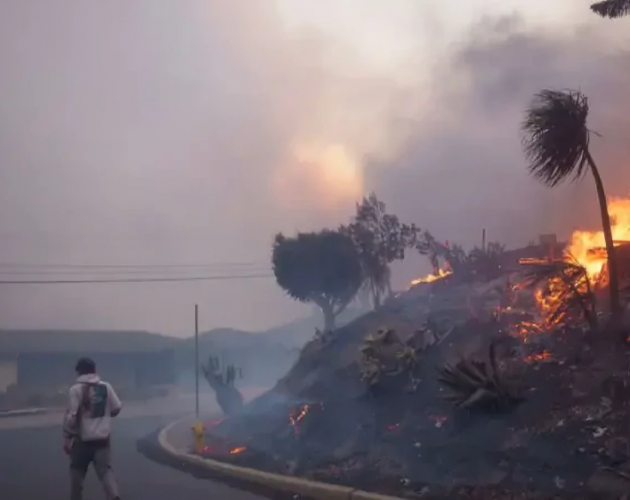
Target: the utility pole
pixel 197 360
pixel 483 239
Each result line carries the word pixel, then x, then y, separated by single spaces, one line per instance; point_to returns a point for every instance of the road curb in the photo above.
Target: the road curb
pixel 23 413
pixel 314 490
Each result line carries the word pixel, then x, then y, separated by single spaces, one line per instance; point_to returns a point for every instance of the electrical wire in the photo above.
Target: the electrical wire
pixel 127 266
pixel 113 272
pixel 136 280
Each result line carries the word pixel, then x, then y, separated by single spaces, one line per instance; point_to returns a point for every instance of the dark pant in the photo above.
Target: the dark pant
pixel 98 453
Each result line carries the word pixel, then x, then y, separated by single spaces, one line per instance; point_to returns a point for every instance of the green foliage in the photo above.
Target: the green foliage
pixel 380 239
pixel 612 8
pixel 321 268
pixel 479 385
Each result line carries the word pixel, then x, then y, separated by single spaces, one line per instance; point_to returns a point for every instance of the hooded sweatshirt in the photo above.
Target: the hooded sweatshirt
pixel 91 405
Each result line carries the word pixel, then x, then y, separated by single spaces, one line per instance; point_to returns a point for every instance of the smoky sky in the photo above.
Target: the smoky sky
pixel 158 132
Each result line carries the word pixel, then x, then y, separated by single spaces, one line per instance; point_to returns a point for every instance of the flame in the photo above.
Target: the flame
pixel 542 356
pixel 529 261
pixel 589 247
pixel 549 300
pixel 296 416
pixel 237 450
pixel 525 328
pixel 440 274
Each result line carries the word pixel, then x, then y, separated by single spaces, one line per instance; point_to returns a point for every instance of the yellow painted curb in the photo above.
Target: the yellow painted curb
pixel 314 489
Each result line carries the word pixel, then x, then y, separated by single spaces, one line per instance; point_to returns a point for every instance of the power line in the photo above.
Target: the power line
pixel 126 266
pixel 135 280
pixel 113 272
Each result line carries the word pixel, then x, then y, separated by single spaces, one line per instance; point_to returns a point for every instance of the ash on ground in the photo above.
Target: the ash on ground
pixel 450 390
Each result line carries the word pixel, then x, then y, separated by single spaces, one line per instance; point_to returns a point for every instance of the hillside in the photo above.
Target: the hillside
pixel 296 334
pixel 541 413
pixel 81 341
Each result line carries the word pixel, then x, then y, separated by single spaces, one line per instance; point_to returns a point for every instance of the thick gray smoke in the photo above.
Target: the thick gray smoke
pixel 162 132
pixel 467 172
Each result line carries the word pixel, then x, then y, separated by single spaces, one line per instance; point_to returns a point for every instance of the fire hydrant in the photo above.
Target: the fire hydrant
pixel 198 430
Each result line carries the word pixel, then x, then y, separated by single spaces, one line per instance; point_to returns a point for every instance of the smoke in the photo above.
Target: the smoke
pixel 467 172
pixel 162 132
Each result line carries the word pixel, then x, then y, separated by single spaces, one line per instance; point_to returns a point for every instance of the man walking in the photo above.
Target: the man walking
pixel 87 429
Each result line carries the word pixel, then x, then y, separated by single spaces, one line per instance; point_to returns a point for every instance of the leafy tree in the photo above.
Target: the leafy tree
pixel 321 268
pixel 612 8
pixel 380 239
pixel 556 142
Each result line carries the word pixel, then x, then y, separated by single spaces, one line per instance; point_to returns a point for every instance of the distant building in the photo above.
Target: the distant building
pixel 44 360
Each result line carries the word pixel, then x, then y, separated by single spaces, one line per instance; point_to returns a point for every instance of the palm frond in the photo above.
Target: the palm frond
pixel 555 136
pixel 571 287
pixel 568 270
pixel 612 8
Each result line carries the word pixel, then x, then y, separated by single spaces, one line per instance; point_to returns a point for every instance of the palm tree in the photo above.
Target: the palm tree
pixel 612 8
pixel 556 144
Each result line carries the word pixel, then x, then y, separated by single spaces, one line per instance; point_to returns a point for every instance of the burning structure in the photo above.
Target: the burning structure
pixel 469 385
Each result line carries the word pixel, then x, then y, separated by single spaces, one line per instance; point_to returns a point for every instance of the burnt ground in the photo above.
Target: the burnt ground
pixel 568 438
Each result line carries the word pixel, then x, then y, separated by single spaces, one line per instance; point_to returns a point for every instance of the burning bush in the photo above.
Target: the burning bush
pixel 476 384
pixel 479 263
pixel 563 291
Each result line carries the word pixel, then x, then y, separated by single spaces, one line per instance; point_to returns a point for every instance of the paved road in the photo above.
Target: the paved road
pixel 33 467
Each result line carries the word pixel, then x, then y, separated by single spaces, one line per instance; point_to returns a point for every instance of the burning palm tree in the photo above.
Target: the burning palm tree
pixel 556 144
pixel 570 289
pixel 612 8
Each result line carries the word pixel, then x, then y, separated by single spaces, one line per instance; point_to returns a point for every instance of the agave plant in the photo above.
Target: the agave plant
pixel 475 384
